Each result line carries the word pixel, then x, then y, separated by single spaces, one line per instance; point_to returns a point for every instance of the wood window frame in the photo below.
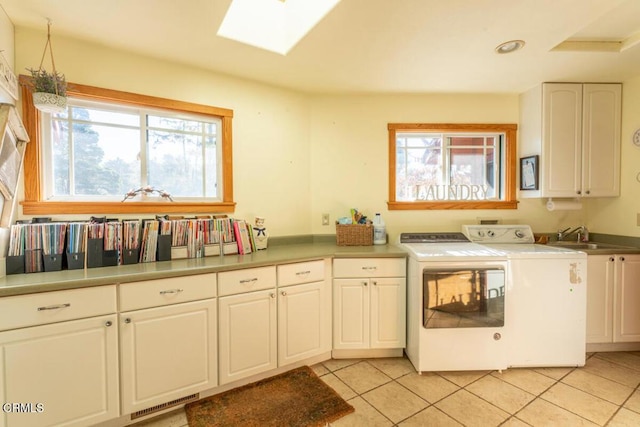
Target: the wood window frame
pixel 510 131
pixel 34 204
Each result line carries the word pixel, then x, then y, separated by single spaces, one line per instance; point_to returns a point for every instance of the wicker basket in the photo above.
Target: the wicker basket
pixel 354 234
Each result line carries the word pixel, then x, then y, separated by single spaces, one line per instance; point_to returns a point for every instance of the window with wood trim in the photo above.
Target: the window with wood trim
pixel 452 166
pixel 81 160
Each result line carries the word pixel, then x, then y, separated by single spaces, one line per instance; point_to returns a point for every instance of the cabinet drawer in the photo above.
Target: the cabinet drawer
pixel 247 280
pixel 369 267
pixel 57 306
pixel 300 272
pixel 172 290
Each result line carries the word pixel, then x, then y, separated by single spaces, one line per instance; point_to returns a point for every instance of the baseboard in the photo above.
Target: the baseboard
pixel 618 346
pixel 367 353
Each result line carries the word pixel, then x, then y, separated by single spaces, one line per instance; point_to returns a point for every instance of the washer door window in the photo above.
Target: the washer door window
pixel 463 297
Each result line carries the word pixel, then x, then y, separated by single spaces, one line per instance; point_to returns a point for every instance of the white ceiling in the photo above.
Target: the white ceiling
pixel 405 46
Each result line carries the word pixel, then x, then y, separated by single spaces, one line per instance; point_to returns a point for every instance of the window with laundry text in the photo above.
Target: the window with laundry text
pixel 452 166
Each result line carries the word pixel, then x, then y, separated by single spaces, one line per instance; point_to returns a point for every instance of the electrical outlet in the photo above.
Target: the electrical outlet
pixel 325 219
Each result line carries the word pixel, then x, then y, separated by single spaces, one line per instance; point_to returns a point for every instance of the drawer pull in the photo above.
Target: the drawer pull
pixel 300 273
pixel 370 268
pixel 171 291
pixel 54 307
pixel 255 279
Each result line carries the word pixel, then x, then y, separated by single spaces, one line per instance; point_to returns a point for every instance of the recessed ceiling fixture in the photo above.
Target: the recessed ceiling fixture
pixel 510 46
pixel 275 25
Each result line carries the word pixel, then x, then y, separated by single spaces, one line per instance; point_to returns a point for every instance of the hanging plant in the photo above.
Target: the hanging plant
pixel 43 81
pixel 49 89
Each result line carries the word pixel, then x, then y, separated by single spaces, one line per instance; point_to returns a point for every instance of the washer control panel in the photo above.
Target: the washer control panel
pixel 498 233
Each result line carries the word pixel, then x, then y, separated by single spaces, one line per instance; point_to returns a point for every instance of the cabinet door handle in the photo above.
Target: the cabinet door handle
pixel 272 295
pixel 375 283
pixel 621 258
pixel 171 291
pixel 578 192
pixel 255 279
pixel 54 307
pixel 300 273
pixel 587 192
pixel 127 320
pixel 612 259
pixel 365 283
pixel 108 323
pixel 283 293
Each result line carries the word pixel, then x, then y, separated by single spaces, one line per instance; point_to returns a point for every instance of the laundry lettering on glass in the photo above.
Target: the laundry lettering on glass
pixel 451 192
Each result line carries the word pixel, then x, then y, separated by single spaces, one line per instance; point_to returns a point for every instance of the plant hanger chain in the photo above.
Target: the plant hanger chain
pixel 53 63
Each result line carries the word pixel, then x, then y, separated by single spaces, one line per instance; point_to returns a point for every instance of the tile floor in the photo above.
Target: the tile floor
pixel 388 392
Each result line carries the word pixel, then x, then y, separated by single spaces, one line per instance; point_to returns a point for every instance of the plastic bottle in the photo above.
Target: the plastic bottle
pixel 379 231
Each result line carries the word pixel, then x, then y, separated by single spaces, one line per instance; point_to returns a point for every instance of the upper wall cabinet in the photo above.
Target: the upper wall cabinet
pixel 574 128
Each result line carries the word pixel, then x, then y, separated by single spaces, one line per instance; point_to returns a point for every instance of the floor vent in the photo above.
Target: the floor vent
pixel 163 406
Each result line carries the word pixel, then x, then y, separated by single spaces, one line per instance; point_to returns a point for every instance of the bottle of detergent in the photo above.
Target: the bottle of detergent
pixel 379 231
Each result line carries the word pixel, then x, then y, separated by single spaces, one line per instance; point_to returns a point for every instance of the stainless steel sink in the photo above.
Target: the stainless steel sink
pixel 593 246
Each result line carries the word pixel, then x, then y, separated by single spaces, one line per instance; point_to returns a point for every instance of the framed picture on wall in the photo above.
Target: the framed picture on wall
pixel 529 173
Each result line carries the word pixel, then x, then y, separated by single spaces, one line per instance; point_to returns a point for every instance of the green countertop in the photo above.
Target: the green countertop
pixel 28 283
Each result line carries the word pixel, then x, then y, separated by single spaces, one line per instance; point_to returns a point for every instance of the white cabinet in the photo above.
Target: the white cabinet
pixel 64 366
pixel 304 311
pixel 600 278
pixel 369 303
pixel 626 318
pixel 272 317
pixel 575 130
pixel 168 342
pixel 247 323
pixel 613 298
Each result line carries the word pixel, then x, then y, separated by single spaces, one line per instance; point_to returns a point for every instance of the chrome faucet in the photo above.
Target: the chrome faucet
pixel 581 232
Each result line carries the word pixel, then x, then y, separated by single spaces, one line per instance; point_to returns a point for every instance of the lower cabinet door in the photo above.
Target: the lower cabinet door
pixel 600 291
pixel 303 322
pixel 626 325
pixel 248 335
pixel 351 314
pixel 167 353
pixel 388 312
pixel 62 374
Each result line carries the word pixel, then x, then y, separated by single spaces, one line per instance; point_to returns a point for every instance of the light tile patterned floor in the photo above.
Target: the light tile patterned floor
pixel 388 392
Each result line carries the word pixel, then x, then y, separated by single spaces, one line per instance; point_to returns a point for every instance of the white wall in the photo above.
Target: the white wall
pixel 297 156
pixel 349 146
pixel 618 215
pixel 270 125
pixel 6 38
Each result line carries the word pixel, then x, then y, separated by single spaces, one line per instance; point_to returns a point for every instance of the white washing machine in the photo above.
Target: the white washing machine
pixel 547 305
pixel 489 298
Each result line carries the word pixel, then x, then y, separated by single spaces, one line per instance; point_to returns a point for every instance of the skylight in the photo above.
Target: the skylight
pixel 274 25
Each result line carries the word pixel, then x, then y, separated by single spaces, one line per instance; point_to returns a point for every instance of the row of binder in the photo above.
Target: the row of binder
pixel 53 246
